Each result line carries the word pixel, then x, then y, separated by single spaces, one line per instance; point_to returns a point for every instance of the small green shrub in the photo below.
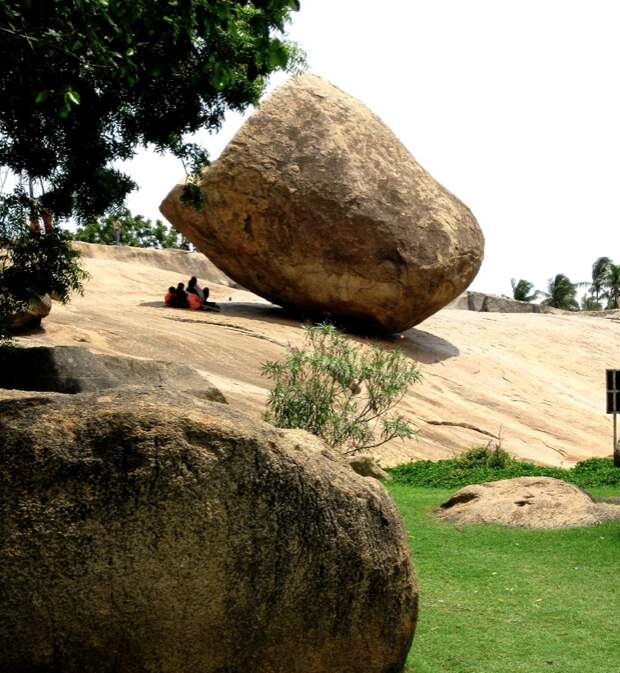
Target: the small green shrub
pixel 490 456
pixel 596 472
pixel 340 391
pixel 482 464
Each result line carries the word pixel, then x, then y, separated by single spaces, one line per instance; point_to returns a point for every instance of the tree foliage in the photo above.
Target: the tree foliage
pixel 599 272
pixel 135 230
pixel 561 293
pixel 31 263
pixel 340 392
pixel 85 82
pixel 522 290
pixel 611 285
pixel 605 286
pixel 590 303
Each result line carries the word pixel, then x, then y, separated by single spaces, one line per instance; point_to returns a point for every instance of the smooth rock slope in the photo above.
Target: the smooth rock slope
pixel 537 380
pixel 147 532
pixel 316 205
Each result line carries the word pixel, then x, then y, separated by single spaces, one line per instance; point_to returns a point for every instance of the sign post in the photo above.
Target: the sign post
pixel 613 406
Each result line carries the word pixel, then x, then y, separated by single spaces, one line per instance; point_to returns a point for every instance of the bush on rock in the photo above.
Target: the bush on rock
pixel 340 392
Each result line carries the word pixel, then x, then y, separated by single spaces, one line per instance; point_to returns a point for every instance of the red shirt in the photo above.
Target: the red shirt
pixel 193 301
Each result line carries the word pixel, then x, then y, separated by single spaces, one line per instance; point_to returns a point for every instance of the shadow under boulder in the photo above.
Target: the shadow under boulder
pixel 74 369
pixel 145 531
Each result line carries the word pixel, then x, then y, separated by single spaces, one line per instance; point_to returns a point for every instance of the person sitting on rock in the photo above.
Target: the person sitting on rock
pixel 170 297
pixel 192 286
pixel 194 301
pixel 203 293
pixel 181 296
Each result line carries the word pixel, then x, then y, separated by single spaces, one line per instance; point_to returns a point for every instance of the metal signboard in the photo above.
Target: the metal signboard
pixel 613 406
pixel 613 391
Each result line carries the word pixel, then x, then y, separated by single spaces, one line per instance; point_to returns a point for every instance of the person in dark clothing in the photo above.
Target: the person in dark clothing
pixel 192 286
pixel 203 293
pixel 181 296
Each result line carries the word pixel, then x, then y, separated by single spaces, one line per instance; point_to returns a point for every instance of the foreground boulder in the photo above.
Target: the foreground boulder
pixel 145 533
pixel 526 502
pixel 316 205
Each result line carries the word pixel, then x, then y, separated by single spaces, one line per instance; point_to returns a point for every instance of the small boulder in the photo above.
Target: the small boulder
pixel 37 309
pixel 316 205
pixel 526 502
pixel 144 532
pixel 367 466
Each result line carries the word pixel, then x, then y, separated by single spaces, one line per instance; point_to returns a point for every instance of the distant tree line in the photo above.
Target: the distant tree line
pixel 603 291
pixel 134 230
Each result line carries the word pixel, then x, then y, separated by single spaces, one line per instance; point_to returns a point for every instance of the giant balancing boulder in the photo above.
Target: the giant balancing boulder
pixel 151 532
pixel 316 205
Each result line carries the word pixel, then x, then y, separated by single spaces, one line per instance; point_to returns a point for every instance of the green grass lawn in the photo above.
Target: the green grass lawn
pixel 499 600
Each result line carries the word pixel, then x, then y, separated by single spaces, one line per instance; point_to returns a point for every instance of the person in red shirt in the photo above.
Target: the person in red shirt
pixel 194 301
pixel 169 298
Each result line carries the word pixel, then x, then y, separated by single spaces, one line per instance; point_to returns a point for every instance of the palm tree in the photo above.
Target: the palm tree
pixel 599 272
pixel 611 285
pixel 522 290
pixel 590 303
pixel 561 293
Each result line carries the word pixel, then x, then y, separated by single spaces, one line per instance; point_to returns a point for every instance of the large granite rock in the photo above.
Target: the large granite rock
pixel 144 533
pixel 74 369
pixel 315 204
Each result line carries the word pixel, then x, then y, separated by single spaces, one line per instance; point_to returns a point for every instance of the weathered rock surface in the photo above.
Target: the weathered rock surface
pixel 487 370
pixel 367 466
pixel 145 533
pixel 315 204
pixel 184 262
pixel 492 303
pixel 74 369
pixel 526 502
pixel 38 308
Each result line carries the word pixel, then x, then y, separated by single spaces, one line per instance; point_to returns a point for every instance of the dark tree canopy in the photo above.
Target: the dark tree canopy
pixel 84 82
pixel 561 293
pixel 523 290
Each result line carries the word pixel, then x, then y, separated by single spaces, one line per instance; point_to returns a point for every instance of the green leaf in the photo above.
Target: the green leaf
pixel 72 96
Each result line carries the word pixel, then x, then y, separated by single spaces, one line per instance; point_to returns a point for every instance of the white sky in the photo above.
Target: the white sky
pixel 513 105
